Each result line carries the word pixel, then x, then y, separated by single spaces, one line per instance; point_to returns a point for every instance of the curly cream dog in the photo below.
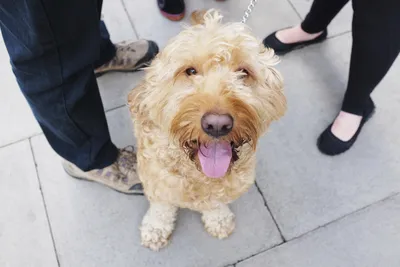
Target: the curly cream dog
pixel 198 114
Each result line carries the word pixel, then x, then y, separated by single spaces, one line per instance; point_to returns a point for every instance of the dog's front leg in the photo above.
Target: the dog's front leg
pixel 219 222
pixel 157 225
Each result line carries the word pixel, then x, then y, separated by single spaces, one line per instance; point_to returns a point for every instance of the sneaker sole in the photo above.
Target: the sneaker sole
pixel 138 193
pixel 135 69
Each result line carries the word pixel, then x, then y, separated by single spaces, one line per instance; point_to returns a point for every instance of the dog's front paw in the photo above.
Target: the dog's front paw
pixel 155 238
pixel 157 225
pixel 219 223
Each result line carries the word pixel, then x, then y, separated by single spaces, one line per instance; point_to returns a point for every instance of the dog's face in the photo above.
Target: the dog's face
pixel 212 89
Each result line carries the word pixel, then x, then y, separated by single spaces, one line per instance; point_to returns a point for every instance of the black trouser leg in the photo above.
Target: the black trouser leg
pixel 376 44
pixel 321 14
pixel 53 46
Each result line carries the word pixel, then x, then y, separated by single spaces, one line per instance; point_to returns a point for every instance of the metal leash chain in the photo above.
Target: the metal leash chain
pixel 250 8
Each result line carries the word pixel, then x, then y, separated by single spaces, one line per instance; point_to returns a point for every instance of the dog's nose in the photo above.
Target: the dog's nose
pixel 216 125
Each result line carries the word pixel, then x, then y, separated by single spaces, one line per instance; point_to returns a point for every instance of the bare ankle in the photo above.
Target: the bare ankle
pixel 295 34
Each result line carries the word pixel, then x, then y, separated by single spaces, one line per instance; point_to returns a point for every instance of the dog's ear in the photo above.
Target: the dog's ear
pixel 134 99
pixel 197 17
pixel 138 102
pixel 147 95
pixel 274 81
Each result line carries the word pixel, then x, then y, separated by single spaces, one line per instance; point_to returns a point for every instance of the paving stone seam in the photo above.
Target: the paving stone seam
pixel 44 203
pixel 269 210
pixel 392 195
pixel 115 108
pixel 338 35
pixel 387 198
pixel 20 140
pixel 255 254
pixel 41 133
pixel 130 19
pixel 294 8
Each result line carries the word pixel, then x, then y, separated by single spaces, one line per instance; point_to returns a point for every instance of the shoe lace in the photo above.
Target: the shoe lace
pixel 127 157
pixel 112 173
pixel 125 162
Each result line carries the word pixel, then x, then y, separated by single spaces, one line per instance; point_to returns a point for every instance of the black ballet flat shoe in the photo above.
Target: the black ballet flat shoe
pixel 330 145
pixel 280 48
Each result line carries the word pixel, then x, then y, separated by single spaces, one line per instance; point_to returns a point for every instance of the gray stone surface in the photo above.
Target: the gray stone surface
pixel 25 238
pixel 95 226
pixel 369 238
pixel 114 87
pixel 121 127
pixel 340 24
pixel 304 188
pixel 117 21
pixel 268 16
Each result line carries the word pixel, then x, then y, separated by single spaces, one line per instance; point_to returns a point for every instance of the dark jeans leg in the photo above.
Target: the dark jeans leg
pixel 107 48
pixel 376 44
pixel 321 14
pixel 52 47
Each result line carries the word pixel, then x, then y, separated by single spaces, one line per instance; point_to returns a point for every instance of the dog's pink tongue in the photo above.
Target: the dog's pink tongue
pixel 215 158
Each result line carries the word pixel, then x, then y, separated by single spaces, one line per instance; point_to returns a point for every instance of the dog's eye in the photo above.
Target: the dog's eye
pixel 244 71
pixel 191 71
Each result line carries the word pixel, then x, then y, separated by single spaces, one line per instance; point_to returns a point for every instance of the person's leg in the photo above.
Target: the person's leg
pixel 107 48
pixel 376 44
pixel 126 56
pixel 52 47
pixel 313 29
pixel 321 14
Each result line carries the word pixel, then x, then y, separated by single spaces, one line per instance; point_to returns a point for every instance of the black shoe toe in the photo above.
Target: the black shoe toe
pixel 330 145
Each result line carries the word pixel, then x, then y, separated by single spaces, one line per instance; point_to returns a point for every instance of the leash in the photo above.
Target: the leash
pixel 248 11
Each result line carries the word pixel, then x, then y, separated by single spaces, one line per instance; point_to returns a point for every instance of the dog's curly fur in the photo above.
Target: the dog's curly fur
pixel 235 76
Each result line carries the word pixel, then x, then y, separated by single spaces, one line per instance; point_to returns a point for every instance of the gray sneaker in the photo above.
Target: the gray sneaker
pixel 130 56
pixel 120 176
